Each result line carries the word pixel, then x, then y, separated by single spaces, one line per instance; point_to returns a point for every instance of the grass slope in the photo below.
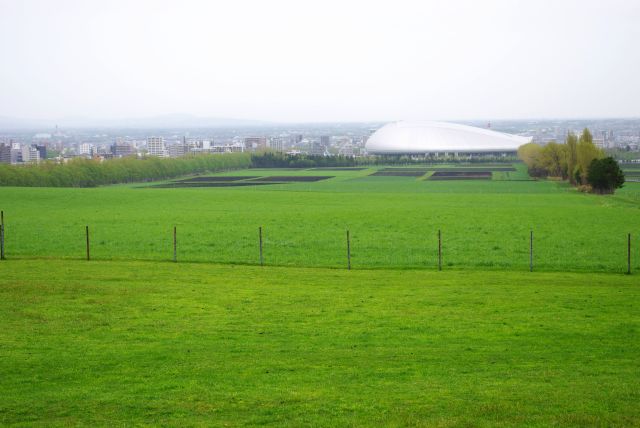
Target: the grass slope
pixel 393 223
pixel 111 343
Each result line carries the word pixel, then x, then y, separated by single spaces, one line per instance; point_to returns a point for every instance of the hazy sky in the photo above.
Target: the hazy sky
pixel 320 60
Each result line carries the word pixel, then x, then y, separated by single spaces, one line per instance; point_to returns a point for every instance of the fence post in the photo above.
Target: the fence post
pixel 1 235
pixel 175 246
pixel 87 233
pixel 1 241
pixel 348 251
pixel 439 250
pixel 629 254
pixel 531 251
pixel 260 237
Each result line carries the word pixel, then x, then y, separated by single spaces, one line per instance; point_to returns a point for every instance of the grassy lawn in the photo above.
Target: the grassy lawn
pixel 96 343
pixel 393 223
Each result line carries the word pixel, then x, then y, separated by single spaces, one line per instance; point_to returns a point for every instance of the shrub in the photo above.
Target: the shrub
pixel 605 175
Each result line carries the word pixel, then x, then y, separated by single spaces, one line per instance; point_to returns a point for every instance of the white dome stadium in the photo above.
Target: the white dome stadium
pixel 440 137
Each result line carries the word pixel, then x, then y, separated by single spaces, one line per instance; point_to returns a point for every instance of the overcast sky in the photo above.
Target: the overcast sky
pixel 295 60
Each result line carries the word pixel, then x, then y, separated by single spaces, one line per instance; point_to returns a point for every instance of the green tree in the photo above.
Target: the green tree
pixel 89 172
pixel 586 153
pixel 553 158
pixel 605 175
pixel 572 156
pixel 531 155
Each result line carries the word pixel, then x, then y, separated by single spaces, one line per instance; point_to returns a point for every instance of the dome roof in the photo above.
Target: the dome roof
pixel 431 137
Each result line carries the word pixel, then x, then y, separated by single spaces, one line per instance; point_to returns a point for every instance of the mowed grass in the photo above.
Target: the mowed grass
pixel 393 222
pixel 130 343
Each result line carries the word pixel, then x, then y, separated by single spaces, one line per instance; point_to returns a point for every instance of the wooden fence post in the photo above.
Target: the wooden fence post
pixel 87 234
pixel 1 241
pixel 348 251
pixel 260 237
pixel 629 254
pixel 1 235
pixel 439 250
pixel 531 251
pixel 175 246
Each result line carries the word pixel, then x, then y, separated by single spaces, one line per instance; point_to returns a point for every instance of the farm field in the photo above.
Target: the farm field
pixel 138 343
pixel 393 221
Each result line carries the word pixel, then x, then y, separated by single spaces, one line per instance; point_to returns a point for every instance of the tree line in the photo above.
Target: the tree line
pixel 269 159
pixel 577 160
pixel 81 172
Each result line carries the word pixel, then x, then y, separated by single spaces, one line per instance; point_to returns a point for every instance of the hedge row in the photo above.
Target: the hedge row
pixel 89 173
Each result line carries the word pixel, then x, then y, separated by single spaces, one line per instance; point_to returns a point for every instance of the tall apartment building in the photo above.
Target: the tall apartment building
pixel 42 150
pixel 276 144
pixel 85 149
pixel 156 147
pixel 5 153
pixel 30 154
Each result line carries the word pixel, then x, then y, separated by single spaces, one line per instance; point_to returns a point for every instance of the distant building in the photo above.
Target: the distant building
pixel 276 144
pixel 29 154
pixel 5 153
pixel 422 138
pixel 346 150
pixel 119 149
pixel 177 150
pixel 317 149
pixel 85 149
pixel 16 153
pixel 255 143
pixel 228 148
pixel 156 147
pixel 42 150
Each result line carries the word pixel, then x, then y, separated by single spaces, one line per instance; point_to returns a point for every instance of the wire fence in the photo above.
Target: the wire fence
pixel 335 249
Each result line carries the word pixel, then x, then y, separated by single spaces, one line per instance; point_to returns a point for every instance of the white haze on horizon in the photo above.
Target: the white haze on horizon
pixel 297 61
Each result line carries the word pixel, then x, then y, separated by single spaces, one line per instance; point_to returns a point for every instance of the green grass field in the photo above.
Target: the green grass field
pixel 393 222
pixel 153 343
pixel 130 338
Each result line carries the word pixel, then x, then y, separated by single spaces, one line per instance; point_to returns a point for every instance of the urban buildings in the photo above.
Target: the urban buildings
pixel 120 149
pixel 255 143
pixel 276 144
pixel 60 145
pixel 29 154
pixel 156 147
pixel 5 153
